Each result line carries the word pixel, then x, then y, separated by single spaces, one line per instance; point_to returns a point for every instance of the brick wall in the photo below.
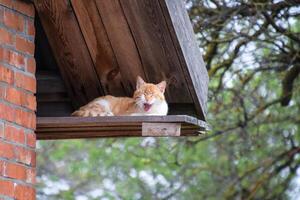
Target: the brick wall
pixel 17 100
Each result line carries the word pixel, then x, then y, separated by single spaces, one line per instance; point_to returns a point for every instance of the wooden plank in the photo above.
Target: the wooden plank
pixel 53 97
pixel 69 49
pixel 182 109
pixel 50 83
pixel 155 46
pixel 116 126
pixel 122 42
pixel 99 46
pixel 161 129
pixel 54 109
pixel 117 120
pixel 188 51
pixel 43 54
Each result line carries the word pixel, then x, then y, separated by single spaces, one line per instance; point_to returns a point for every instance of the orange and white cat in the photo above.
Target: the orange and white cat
pixel 148 99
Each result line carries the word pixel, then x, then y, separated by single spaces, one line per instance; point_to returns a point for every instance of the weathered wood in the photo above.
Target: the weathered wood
pixel 188 51
pixel 118 126
pixel 101 51
pixel 155 46
pixel 54 109
pixel 122 42
pixel 49 82
pixel 161 129
pixel 43 54
pixel 182 109
pixel 53 98
pixel 69 50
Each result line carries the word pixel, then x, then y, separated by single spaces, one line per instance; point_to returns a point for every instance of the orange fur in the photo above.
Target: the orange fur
pixel 148 99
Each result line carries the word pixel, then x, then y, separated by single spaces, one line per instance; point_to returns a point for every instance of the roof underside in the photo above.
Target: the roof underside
pixel 118 126
pixel 100 47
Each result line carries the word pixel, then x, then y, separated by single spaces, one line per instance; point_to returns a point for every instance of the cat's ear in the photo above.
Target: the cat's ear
pixel 139 82
pixel 162 86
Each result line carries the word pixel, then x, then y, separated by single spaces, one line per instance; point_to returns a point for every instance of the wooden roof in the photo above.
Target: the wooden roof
pixel 100 47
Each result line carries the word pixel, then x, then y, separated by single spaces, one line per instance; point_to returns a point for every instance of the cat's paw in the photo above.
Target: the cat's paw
pixel 109 114
pixel 105 114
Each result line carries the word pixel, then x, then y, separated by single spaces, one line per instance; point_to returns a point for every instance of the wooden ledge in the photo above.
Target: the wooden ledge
pixel 118 126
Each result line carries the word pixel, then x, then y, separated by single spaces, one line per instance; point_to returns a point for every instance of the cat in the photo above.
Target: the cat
pixel 148 99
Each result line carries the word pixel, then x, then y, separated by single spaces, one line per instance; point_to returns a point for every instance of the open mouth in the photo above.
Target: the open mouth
pixel 147 106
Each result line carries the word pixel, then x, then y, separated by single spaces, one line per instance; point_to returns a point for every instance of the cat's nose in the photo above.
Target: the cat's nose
pixel 150 101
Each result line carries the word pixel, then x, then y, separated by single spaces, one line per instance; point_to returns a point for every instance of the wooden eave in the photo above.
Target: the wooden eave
pixel 101 46
pixel 118 126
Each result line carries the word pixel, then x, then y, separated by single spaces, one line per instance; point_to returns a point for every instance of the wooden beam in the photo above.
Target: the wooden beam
pixel 117 126
pixel 69 49
pixel 188 51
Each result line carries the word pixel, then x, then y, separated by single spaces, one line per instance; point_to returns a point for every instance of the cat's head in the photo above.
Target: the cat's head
pixel 147 95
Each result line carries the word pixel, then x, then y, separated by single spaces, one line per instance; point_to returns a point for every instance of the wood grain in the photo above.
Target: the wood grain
pixel 69 49
pixel 188 51
pixel 99 46
pixel 118 126
pixel 161 129
pixel 122 42
pixel 54 109
pixel 49 82
pixel 153 40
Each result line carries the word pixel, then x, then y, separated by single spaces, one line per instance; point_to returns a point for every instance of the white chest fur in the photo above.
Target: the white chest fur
pixel 160 108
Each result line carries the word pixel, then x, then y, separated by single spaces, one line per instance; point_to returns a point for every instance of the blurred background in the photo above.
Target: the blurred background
pixel 252 54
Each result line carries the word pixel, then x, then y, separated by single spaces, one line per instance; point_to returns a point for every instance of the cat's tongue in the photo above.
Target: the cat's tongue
pixel 147 106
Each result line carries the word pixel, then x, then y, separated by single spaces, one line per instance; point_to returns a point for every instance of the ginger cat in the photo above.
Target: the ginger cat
pixel 148 99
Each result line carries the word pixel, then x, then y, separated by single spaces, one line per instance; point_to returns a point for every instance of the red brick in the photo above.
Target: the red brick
pixel 7 3
pixel 31 65
pixel 2 167
pixel 25 156
pixel 30 102
pixel 12 58
pixel 6 150
pixel 24 45
pixel 26 119
pixel 14 96
pixel 30 175
pixel 31 139
pixel 25 82
pixel 14 134
pixel 2 92
pixel 7 112
pixel 15 171
pixel 13 20
pixel 30 28
pixel 6 75
pixel 5 37
pixel 20 98
pixel 24 192
pixel 33 158
pixel 2 129
pixel 7 188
